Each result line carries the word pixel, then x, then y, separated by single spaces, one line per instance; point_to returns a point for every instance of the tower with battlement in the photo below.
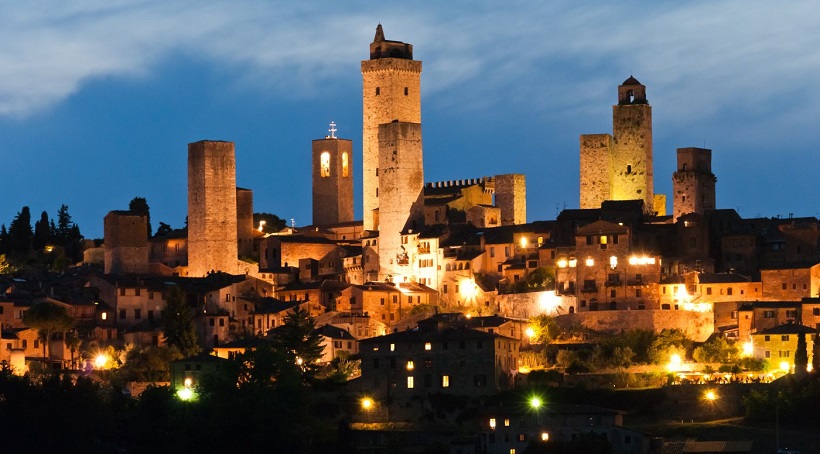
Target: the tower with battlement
pixel 693 184
pixel 212 209
pixel 332 168
pixel 391 91
pixel 126 242
pixel 619 166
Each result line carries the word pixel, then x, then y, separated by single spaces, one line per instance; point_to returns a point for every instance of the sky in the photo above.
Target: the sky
pixel 99 98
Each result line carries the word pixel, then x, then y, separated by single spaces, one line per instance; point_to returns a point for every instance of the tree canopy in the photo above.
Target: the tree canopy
pixel 48 318
pixel 298 339
pixel 178 323
pixel 140 205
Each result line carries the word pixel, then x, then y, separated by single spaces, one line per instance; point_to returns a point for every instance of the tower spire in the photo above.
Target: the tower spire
pixel 379 34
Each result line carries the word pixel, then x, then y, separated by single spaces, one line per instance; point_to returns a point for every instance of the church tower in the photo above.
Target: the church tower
pixel 212 226
pixel 332 179
pixel 619 166
pixel 632 143
pixel 391 91
pixel 693 184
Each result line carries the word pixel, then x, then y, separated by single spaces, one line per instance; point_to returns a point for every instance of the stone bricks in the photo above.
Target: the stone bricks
pixel 126 243
pixel 511 198
pixel 693 184
pixel 332 181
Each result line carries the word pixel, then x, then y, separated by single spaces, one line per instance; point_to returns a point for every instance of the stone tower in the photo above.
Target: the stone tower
pixel 511 198
pixel 332 179
pixel 401 198
pixel 212 214
pixel 244 221
pixel 391 91
pixel 619 166
pixel 126 243
pixel 693 184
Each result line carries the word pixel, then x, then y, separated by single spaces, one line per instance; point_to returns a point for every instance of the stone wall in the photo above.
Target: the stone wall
pixel 126 243
pixel 596 169
pixel 698 326
pixel 632 153
pixel 332 187
pixel 212 229
pixel 244 221
pixel 511 198
pixel 693 184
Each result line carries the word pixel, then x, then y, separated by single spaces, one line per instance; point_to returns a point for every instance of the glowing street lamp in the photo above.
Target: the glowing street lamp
pixel 100 361
pixel 674 363
pixel 748 348
pixel 367 403
pixel 535 403
pixel 530 332
pixel 710 396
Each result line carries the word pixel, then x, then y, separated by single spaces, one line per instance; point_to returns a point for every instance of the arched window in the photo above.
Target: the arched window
pixel 344 165
pixel 324 165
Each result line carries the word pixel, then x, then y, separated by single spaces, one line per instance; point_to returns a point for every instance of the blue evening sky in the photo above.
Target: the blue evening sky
pixel 99 99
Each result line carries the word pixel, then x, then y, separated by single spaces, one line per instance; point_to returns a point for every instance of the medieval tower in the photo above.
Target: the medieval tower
pixel 619 166
pixel 332 166
pixel 126 242
pixel 212 212
pixel 391 91
pixel 244 221
pixel 401 198
pixel 693 184
pixel 511 198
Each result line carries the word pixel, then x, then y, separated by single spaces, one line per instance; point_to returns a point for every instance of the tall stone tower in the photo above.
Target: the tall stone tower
pixel 332 179
pixel 126 243
pixel 619 166
pixel 693 184
pixel 244 221
pixel 391 91
pixel 212 214
pixel 401 186
pixel 511 198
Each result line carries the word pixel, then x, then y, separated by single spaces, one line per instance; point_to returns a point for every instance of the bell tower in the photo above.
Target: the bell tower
pixel 632 145
pixel 332 179
pixel 391 91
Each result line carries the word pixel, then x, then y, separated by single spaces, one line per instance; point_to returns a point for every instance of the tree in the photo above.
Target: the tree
pixel 815 355
pixel 668 342
pixel 5 266
pixel 801 355
pixel 545 327
pixel 140 205
pixel 42 232
pixel 48 318
pixel 73 342
pixel 163 229
pixel 716 350
pixel 273 223
pixel 178 321
pixel 63 225
pixel 20 233
pixel 299 340
pixel 542 278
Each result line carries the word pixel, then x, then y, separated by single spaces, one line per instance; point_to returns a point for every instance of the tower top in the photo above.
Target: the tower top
pixel 631 92
pixel 332 130
pixel 383 48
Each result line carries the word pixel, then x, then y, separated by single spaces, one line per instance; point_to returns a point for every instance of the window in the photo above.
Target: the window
pixel 612 293
pixel 767 354
pixel 211 322
pixel 815 311
pixel 784 286
pixel 708 290
pixel 638 293
pixel 784 338
pixel 734 315
pixel 768 314
pixel 766 338
pixel 378 91
pixel 382 302
pixel 345 166
pixel 445 381
pixel 729 291
pixel 406 91
pixel 410 382
pixel 428 346
pixel 783 353
pixel 122 314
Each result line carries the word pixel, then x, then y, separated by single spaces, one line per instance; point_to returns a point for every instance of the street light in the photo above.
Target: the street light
pixel 367 403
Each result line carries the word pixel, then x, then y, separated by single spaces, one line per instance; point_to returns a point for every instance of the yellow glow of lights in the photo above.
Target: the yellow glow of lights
pixel 573 263
pixel 492 423
pixel 100 361
pixel 104 316
pixel 410 365
pixel 530 332
pixel 697 307
pixel 523 242
pixel 548 301
pixel 589 262
pixel 428 346
pixel 535 402
pixel 710 395
pixel 785 366
pixel 367 403
pixel 261 225
pixel 545 436
pixel 635 260
pixel 748 348
pixel 299 360
pixel 562 263
pixel 682 295
pixel 185 393
pixel 468 288
pixel 613 262
pixel 675 363
pixel 188 382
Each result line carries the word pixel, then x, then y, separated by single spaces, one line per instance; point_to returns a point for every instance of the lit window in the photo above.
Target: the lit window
pixel 613 262
pixel 573 263
pixel 104 316
pixel 492 423
pixel 590 262
pixel 562 263
pixel 507 422
pixel 324 169
pixel 409 382
pixel 392 347
pixel 445 381
pixel 410 366
pixel 344 165
pixel 603 239
pixel 428 346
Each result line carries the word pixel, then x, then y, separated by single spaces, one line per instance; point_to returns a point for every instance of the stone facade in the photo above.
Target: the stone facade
pixel 693 184
pixel 244 222
pixel 619 167
pixel 332 181
pixel 391 90
pixel 126 243
pixel 212 213
pixel 511 198
pixel 401 182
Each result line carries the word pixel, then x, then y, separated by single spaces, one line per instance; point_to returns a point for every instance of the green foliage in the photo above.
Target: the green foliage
pixel 565 358
pixel 178 323
pixel 801 355
pixel 298 339
pixel 42 232
pixel 20 235
pixel 273 223
pixel 754 364
pixel 667 343
pixel 150 364
pixel 541 278
pixel 48 318
pixel 716 350
pixel 163 229
pixel 815 356
pixel 545 327
pixel 5 266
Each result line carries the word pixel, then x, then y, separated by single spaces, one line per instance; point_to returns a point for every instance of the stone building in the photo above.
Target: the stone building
pixel 126 242
pixel 245 231
pixel 511 198
pixel 619 166
pixel 391 91
pixel 693 184
pixel 212 209
pixel 332 180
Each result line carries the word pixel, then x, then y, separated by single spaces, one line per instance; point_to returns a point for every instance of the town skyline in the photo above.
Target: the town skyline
pixel 121 116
